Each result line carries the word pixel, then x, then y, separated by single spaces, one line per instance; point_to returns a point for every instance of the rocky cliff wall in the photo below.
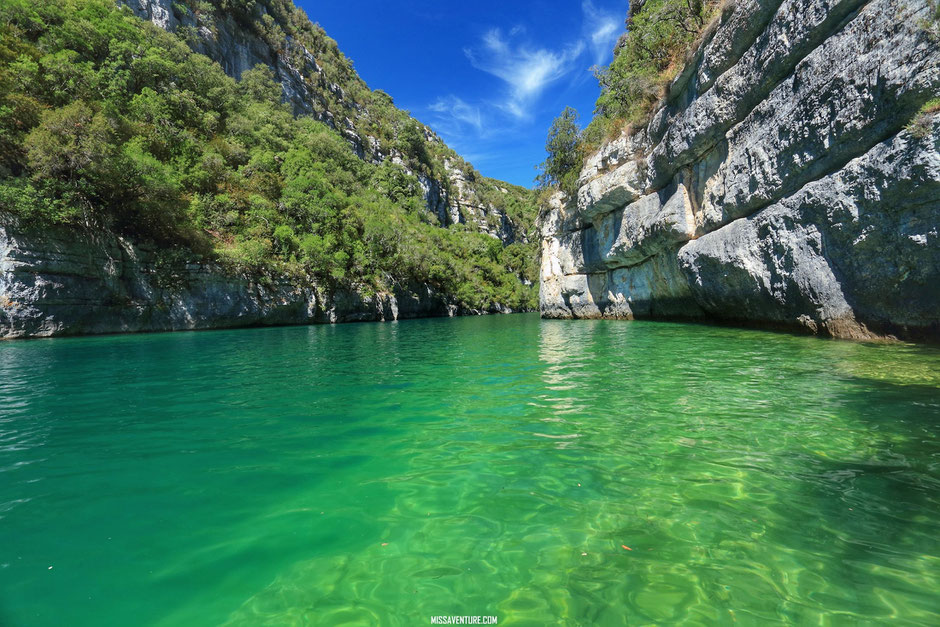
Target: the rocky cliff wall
pixel 57 280
pixel 781 183
pixel 238 50
pixel 66 281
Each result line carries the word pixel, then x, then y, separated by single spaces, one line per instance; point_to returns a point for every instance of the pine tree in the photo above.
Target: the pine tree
pixel 562 166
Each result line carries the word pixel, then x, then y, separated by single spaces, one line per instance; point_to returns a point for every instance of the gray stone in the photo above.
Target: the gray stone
pixel 855 90
pixel 777 186
pixel 67 281
pixel 797 29
pixel 645 227
pixel 853 254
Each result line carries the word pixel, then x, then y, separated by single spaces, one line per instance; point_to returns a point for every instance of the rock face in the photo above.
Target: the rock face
pixel 63 281
pixel 778 184
pixel 238 50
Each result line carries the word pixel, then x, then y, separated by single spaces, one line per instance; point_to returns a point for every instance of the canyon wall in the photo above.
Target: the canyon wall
pixel 789 179
pixel 67 281
pixel 79 280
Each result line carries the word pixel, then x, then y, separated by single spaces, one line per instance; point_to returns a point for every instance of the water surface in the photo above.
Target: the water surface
pixel 385 473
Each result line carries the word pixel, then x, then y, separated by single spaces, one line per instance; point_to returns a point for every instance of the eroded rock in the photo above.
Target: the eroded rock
pixel 779 185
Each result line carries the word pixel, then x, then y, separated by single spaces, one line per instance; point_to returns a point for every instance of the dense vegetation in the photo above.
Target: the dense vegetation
pixel 660 35
pixel 339 92
pixel 107 120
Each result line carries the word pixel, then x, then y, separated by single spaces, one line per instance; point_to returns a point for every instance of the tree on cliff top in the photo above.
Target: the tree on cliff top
pixel 563 164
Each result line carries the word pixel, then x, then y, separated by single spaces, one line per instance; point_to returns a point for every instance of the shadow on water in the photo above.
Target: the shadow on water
pixel 875 508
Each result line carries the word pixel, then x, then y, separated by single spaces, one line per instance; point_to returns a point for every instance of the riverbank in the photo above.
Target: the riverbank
pixel 58 281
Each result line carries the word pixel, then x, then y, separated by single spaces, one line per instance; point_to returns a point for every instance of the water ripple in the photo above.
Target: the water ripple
pixel 589 473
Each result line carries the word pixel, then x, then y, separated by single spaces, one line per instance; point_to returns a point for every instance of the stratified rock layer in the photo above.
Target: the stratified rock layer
pixel 778 185
pixel 66 281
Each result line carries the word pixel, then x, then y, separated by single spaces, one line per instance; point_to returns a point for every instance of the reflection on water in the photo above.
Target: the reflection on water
pixel 585 473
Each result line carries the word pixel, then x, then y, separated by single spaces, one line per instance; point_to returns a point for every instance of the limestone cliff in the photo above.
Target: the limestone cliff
pixel 64 281
pixel 91 273
pixel 780 182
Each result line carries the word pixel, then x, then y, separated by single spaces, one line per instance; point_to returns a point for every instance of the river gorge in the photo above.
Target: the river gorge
pixel 691 376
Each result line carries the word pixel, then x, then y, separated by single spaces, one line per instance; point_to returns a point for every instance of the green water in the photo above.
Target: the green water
pixel 386 473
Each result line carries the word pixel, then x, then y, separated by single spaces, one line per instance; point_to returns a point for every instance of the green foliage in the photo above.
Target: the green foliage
pixel 108 120
pixel 20 197
pixel 258 85
pixel 922 122
pixel 563 164
pixel 72 143
pixel 659 36
pixel 412 142
pixel 931 23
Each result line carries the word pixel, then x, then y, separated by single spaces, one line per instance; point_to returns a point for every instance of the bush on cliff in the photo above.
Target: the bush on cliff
pixel 659 37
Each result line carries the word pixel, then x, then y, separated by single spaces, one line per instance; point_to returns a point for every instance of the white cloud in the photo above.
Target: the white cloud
pixel 454 110
pixel 526 71
pixel 601 30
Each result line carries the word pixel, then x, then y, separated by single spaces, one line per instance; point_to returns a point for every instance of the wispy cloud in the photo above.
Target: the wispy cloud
pixel 495 128
pixel 526 70
pixel 454 110
pixel 601 29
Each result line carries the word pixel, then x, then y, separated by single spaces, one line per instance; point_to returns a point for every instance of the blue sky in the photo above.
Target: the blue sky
pixel 488 76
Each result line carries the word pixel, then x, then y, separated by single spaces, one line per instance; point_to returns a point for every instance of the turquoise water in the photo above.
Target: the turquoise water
pixel 387 473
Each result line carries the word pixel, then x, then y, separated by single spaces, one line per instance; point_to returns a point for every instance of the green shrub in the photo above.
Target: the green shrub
pixel 563 164
pixel 922 122
pixel 71 143
pixel 658 39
